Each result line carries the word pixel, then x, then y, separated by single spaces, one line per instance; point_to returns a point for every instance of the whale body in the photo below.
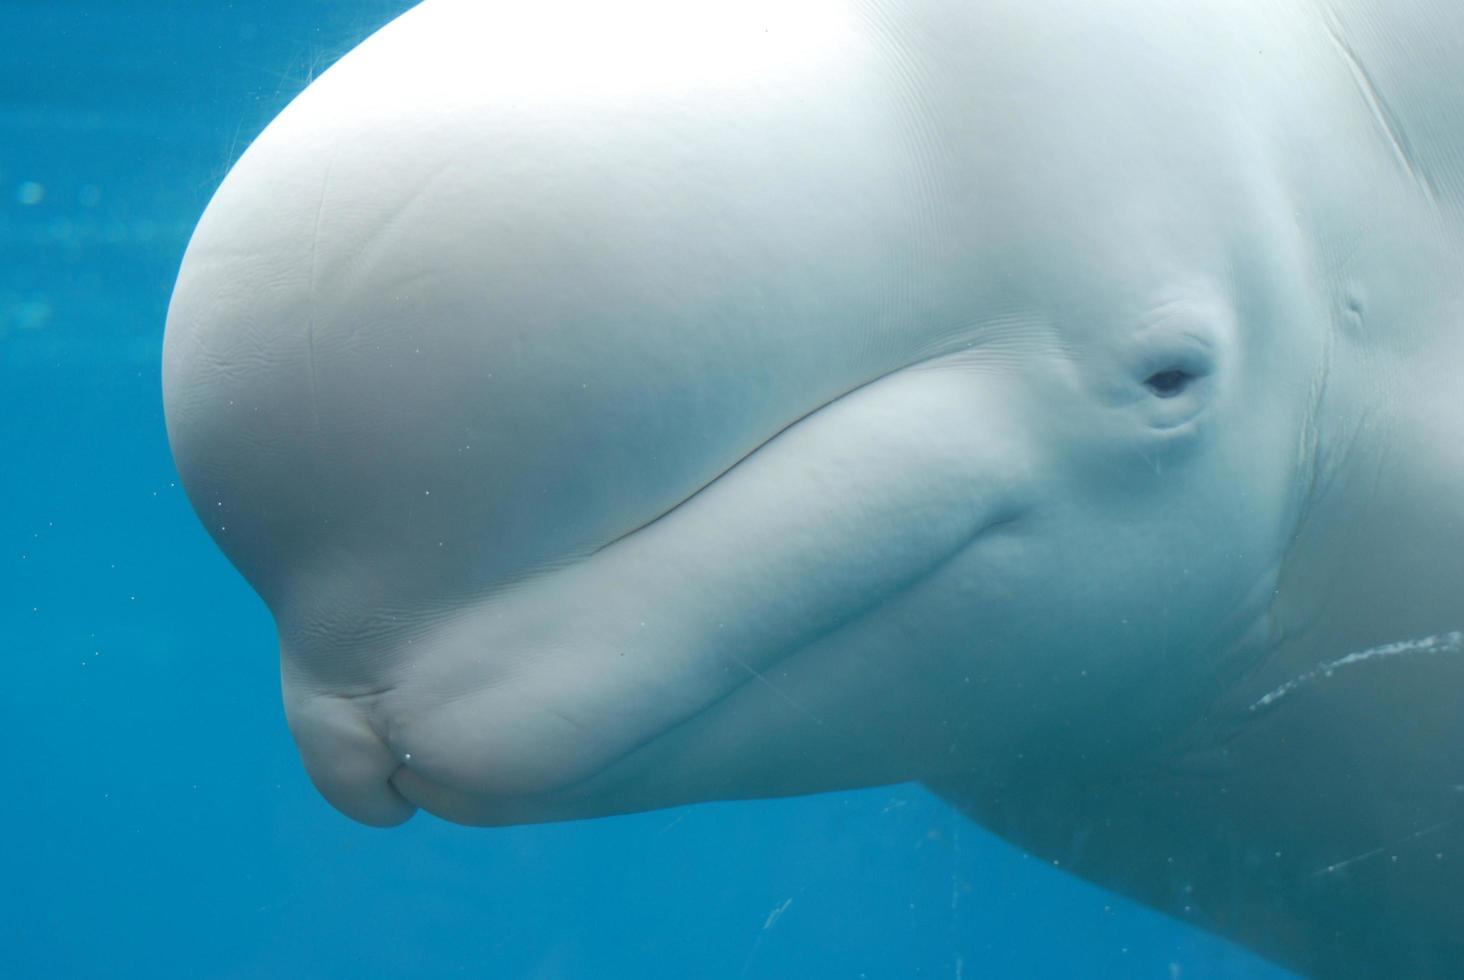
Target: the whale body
pixel 626 405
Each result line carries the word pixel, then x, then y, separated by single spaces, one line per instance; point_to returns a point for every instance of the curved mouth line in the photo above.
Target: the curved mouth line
pixel 548 567
pixel 561 773
pixel 722 474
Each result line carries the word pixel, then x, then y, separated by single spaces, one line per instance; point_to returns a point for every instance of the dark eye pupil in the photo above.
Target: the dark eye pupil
pixel 1167 384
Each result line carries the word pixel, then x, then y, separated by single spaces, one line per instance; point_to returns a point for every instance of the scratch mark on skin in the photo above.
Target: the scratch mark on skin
pixel 781 694
pixel 776 914
pixel 569 720
pixel 773 917
pixel 1374 852
pixel 1451 642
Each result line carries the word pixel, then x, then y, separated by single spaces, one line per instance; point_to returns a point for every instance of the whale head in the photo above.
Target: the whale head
pixel 624 407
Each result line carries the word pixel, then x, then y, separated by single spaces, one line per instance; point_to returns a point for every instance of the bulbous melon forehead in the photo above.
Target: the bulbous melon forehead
pixel 576 260
pixel 447 285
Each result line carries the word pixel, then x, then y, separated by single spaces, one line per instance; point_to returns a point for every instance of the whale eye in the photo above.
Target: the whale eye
pixel 1169 382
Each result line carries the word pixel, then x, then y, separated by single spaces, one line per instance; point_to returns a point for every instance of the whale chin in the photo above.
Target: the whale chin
pixel 378 757
pixel 516 708
pixel 365 775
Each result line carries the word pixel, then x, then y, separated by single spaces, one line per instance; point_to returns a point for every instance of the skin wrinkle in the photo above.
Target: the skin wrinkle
pixel 1311 466
pixel 310 294
pixel 1387 123
pixel 374 243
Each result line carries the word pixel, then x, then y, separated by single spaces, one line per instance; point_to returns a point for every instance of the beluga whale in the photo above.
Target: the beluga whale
pixel 624 405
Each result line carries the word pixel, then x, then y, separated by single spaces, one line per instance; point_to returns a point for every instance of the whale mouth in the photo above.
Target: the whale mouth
pixel 531 703
pixel 490 758
pixel 507 755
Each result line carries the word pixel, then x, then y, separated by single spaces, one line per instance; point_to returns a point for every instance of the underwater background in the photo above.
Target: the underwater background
pixel 154 819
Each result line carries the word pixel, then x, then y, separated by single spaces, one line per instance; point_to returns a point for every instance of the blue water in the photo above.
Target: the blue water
pixel 154 820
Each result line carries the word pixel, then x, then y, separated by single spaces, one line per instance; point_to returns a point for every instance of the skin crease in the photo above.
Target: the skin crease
pixel 718 401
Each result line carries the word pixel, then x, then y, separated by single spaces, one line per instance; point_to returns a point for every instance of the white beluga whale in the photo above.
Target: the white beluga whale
pixel 626 405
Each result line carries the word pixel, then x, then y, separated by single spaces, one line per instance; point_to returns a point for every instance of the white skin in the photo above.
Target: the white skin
pixel 741 400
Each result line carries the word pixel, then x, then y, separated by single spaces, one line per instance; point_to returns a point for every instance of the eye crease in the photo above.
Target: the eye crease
pixel 1168 383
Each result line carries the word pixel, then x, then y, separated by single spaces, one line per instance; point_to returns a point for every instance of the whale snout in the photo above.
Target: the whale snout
pixel 347 759
pixel 372 778
pixel 487 714
pixel 489 758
